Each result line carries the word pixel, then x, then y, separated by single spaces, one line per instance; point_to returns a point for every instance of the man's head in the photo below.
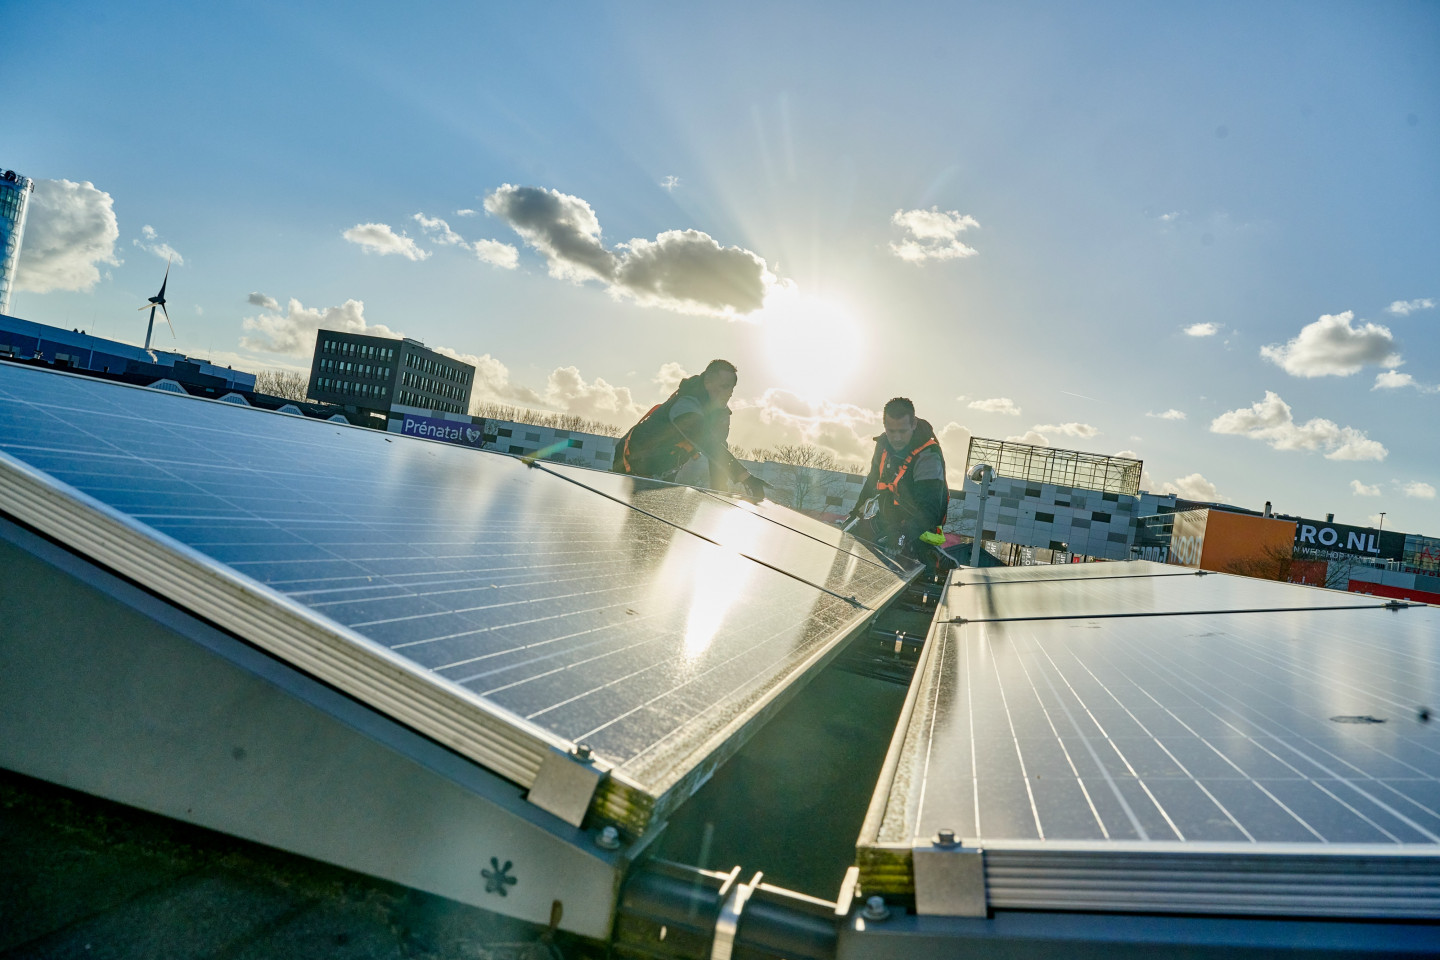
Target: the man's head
pixel 899 422
pixel 719 379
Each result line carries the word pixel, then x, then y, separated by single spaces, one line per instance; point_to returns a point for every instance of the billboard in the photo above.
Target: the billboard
pixel 1326 537
pixel 448 431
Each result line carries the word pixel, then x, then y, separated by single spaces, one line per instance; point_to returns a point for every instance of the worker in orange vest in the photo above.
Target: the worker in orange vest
pixel 905 497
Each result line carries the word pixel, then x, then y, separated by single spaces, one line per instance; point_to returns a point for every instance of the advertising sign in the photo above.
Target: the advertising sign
pixel 1187 541
pixel 449 431
pixel 1317 535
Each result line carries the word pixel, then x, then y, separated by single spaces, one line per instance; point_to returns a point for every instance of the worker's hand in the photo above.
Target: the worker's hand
pixel 754 488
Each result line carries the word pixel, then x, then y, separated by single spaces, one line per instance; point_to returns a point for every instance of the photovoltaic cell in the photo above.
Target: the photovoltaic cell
pixel 647 620
pixel 1054 723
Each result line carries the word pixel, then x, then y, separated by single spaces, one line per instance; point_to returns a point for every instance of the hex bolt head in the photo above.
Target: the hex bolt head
pixel 608 839
pixel 875 909
pixel 945 837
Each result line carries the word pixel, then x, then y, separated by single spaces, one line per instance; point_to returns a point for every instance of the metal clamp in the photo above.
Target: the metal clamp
pixel 949 877
pixel 727 925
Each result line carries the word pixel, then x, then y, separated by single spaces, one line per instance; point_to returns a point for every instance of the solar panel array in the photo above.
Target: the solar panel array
pixel 646 620
pixel 1135 707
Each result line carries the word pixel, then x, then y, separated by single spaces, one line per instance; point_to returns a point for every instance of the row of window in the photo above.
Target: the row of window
pixel 350 388
pixel 411 399
pixel 370 371
pixel 1097 517
pixel 434 368
pixel 365 351
pixel 432 386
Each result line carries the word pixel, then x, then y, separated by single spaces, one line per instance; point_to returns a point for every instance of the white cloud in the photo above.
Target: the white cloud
pixel 686 271
pixel 293 332
pixel 1171 414
pixel 996 405
pixel 668 377
pixel 260 300
pixel 1032 437
pixel 1192 487
pixel 1332 347
pixel 670 183
pixel 1403 308
pixel 1364 490
pixel 152 243
pixel 492 380
pixel 467 212
pixel 496 254
pixel 1202 330
pixel 1271 420
pixel 1170 217
pixel 1392 380
pixel 1419 490
pixel 438 230
pixel 1081 431
pixel 567 390
pixel 932 235
pixel 379 238
pixel 778 417
pixel 69 228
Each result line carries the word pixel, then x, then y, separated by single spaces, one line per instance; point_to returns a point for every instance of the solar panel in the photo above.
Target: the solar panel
pixel 1143 742
pixel 506 610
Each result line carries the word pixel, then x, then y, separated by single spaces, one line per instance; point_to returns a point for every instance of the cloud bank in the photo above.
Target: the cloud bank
pixel 1081 431
pixel 1192 487
pixel 1419 490
pixel 1171 414
pixel 1363 489
pixel 293 331
pixel 1271 420
pixel 69 229
pixel 932 235
pixel 686 271
pixel 1332 347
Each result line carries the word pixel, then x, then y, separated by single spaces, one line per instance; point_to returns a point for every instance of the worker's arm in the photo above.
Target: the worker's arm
pixel 722 462
pixel 867 489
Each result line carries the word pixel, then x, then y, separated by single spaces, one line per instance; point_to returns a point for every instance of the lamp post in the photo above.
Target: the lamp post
pixel 981 474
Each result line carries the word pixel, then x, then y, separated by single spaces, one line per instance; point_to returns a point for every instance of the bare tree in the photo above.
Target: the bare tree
pixel 289 384
pixel 802 473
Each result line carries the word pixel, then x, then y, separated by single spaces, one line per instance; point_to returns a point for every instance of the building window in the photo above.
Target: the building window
pixel 577 444
pixel 1099 517
pixel 1044 517
pixel 504 432
pixel 515 449
pixel 1112 497
pixel 533 437
pixel 832 501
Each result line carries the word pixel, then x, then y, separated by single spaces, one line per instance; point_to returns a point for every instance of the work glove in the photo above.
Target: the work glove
pixel 754 488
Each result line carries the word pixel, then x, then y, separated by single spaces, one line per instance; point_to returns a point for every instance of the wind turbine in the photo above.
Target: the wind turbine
pixel 159 301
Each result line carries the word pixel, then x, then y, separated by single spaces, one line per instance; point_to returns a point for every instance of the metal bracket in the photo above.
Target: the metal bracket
pixel 564 786
pixel 949 877
pixel 727 925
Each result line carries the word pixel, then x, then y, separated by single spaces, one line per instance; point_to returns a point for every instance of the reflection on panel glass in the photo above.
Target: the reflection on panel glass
pixel 595 621
pixel 1268 727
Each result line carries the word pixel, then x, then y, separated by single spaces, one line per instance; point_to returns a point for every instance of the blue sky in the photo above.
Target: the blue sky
pixel 1095 180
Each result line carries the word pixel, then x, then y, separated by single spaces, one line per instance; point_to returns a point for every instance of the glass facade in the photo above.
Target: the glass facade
pixel 15 193
pixel 374 373
pixel 1064 468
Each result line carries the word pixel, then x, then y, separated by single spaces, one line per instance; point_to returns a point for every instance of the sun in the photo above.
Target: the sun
pixel 813 346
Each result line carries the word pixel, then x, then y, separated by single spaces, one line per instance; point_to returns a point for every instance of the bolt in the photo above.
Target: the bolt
pixel 875 909
pixel 609 839
pixel 583 753
pixel 945 837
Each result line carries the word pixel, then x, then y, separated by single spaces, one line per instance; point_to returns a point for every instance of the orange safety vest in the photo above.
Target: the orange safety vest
pixel 893 486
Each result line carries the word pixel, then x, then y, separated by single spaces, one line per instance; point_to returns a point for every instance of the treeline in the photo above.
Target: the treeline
pixel 543 418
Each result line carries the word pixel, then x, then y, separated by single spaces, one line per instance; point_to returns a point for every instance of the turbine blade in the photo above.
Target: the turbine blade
pixel 167 319
pixel 166 280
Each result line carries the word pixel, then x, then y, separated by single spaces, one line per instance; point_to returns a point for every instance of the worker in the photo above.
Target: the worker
pixel 693 423
pixel 906 483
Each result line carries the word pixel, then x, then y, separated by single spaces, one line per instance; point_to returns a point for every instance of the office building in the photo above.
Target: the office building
pixel 375 373
pixel 15 193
